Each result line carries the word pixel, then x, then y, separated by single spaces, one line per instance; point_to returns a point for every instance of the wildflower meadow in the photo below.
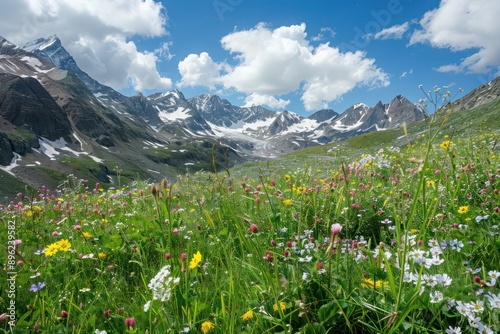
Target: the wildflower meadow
pixel 399 240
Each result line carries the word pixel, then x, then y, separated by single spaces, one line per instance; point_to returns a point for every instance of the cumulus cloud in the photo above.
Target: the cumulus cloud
pixel 97 34
pixel 257 99
pixel 394 32
pixel 464 25
pixel 199 70
pixel 272 62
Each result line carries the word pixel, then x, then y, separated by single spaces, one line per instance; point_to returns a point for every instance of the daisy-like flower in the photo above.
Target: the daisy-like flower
pixel 494 300
pixel 207 326
pixel 51 249
pixel 63 245
pixel 477 306
pixel 248 315
pixel 84 289
pixel 445 145
pixel 436 296
pixel 463 209
pixel 453 330
pixel 195 261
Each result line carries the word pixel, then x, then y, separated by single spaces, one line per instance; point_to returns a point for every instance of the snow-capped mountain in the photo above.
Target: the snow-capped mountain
pixel 66 104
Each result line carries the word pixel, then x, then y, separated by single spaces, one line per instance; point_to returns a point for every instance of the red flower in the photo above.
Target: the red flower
pixel 130 322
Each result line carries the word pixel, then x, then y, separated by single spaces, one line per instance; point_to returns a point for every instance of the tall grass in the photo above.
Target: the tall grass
pixel 418 250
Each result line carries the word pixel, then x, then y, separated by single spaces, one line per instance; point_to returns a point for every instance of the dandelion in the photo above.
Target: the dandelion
pixel 445 145
pixel 287 202
pixel 248 315
pixel 207 326
pixel 369 283
pixel 195 261
pixel 101 256
pixel 279 306
pixel 463 209
pixel 86 235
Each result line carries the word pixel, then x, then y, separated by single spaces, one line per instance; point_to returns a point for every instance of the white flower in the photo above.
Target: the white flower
pixel 452 330
pixel 494 300
pixel 429 280
pixel 436 297
pixel 463 309
pixel 146 306
pixel 475 322
pixel 443 279
pixel 305 259
pixel 305 276
pixel 477 306
pixel 494 274
pixel 98 331
pixel 483 329
pixel 162 284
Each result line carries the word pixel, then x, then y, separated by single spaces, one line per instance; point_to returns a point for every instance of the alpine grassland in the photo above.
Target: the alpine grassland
pixel 349 237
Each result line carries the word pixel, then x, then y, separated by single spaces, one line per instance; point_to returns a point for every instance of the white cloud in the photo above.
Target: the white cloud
pixel 257 99
pixel 406 73
pixel 394 32
pixel 464 25
pixel 272 62
pixel 199 71
pixel 97 34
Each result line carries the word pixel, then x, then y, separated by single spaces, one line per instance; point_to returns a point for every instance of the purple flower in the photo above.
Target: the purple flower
pixel 37 287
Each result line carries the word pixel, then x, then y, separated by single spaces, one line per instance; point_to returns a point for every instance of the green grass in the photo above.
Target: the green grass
pixel 383 233
pixel 251 249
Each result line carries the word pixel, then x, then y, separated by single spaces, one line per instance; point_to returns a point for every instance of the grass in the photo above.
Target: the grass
pixel 389 239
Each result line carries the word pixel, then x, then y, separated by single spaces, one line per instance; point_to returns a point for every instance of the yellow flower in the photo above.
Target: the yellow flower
pixel 445 145
pixel 101 256
pixel 287 202
pixel 206 326
pixel 86 235
pixel 51 249
pixel 369 283
pixel 463 209
pixel 248 315
pixel 195 261
pixel 63 245
pixel 287 178
pixel 282 306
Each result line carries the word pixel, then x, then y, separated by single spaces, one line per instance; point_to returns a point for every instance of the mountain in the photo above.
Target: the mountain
pixel 57 119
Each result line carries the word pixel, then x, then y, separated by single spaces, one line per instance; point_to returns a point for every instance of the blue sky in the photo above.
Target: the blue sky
pixel 284 54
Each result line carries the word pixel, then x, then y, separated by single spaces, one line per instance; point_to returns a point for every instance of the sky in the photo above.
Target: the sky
pixel 302 56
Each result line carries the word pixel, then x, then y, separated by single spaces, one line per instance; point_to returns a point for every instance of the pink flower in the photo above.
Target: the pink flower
pixel 336 228
pixel 77 227
pixel 130 322
pixel 253 228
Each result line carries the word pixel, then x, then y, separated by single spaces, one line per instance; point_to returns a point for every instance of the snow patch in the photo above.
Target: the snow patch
pixel 13 164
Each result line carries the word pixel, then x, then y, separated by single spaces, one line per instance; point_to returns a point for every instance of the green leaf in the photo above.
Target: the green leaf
pixel 328 311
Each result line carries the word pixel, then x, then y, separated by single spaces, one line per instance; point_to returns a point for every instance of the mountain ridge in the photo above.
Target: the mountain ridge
pixel 165 132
